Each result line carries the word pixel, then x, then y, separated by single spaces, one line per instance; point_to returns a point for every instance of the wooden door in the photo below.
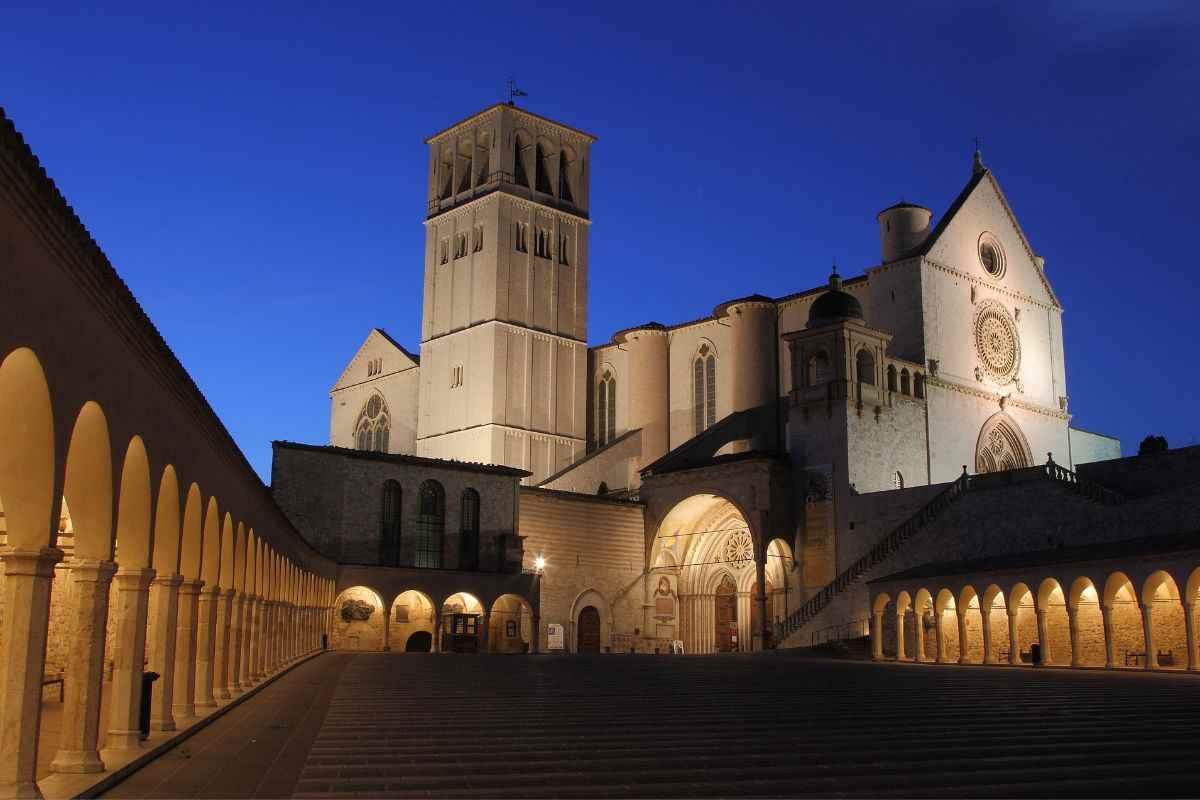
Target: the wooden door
pixel 588 630
pixel 726 615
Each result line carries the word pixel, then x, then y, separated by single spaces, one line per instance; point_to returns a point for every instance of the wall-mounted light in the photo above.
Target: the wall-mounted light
pixel 539 564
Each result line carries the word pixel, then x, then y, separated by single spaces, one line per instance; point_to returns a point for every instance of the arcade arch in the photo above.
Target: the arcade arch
pixel 706 564
pixel 358 620
pixel 412 622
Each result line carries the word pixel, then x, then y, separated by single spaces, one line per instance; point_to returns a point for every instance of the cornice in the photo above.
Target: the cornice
pixel 975 281
pixel 1001 400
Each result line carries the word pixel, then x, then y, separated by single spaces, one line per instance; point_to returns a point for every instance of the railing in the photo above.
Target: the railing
pixel 882 549
pixel 855 629
pixel 1082 486
pixel 930 511
pixel 490 183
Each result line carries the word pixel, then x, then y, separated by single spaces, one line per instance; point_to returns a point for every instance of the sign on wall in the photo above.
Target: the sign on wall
pixel 556 637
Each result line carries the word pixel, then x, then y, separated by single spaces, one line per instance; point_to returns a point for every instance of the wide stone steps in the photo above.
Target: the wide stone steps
pixel 470 726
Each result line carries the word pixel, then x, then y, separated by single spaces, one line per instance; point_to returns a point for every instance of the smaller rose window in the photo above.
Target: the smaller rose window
pixel 738 549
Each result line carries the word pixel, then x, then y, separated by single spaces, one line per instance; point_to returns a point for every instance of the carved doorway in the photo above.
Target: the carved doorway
pixel 589 630
pixel 726 616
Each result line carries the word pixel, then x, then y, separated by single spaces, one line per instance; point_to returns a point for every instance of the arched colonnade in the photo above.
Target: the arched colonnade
pixel 138 568
pixel 1134 615
pixel 418 621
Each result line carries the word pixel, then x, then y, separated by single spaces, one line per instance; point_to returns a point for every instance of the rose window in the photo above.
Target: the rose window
pixel 997 342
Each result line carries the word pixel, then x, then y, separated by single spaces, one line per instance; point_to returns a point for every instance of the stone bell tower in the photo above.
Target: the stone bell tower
pixel 504 323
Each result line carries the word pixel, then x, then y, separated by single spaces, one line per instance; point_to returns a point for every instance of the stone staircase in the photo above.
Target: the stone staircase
pixel 886 547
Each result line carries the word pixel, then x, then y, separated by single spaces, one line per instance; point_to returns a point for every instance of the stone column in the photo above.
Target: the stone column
pixel 1189 620
pixel 938 624
pixel 1148 636
pixel 437 631
pixel 900 654
pixel 164 612
pixel 1043 635
pixel 235 644
pixel 264 639
pixel 133 598
pixel 1073 624
pixel 206 647
pixel 184 703
pixel 961 613
pixel 985 624
pixel 483 635
pixel 877 636
pixel 26 603
pixel 77 750
pixel 1014 641
pixel 919 623
pixel 1110 648
pixel 387 631
pixel 536 634
pixel 221 671
pixel 250 655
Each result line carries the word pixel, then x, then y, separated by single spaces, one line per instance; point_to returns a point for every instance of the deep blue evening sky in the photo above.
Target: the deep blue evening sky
pixel 256 173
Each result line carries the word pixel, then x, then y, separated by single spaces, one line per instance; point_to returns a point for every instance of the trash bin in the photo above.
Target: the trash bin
pixel 148 679
pixel 1035 654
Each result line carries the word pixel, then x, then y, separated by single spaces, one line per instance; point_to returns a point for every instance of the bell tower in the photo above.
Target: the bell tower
pixel 504 315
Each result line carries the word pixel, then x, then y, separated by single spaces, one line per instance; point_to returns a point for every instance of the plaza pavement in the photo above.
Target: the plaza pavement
pixel 391 725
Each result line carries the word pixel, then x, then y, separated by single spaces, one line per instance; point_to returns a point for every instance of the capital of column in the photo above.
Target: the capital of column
pixel 228 592
pixel 31 563
pixel 187 587
pixel 133 580
pixel 167 581
pixel 86 570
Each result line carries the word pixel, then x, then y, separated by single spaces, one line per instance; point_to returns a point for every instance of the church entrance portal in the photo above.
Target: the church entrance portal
pixel 726 616
pixel 589 630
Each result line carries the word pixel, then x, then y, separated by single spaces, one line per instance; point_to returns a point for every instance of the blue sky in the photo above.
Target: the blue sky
pixel 257 173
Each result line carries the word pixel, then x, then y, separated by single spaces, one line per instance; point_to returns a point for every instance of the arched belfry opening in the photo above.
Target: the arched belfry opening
pixel 1002 446
pixel 706 576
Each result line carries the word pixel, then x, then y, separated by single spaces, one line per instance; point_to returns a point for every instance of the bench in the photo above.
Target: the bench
pixel 1166 659
pixel 50 680
pixel 1135 657
pixel 1026 656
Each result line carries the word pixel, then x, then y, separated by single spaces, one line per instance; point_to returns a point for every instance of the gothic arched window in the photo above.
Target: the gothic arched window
pixel 1001 446
pixel 431 524
pixel 704 389
pixel 542 184
pixel 606 409
pixel 566 169
pixel 521 153
pixel 864 367
pixel 918 386
pixel 891 378
pixel 905 387
pixel 468 542
pixel 483 158
pixel 374 425
pixel 389 525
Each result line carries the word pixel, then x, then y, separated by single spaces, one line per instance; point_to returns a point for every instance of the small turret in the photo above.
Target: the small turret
pixel 902 228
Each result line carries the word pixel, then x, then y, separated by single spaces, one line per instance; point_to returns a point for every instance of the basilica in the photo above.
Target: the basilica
pixel 748 436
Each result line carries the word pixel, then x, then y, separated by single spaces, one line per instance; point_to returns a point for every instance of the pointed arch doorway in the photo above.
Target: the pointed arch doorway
pixel 725 619
pixel 589 630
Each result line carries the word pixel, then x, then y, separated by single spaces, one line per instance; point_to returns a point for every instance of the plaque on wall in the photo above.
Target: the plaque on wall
pixel 401 613
pixel 554 633
pixel 510 629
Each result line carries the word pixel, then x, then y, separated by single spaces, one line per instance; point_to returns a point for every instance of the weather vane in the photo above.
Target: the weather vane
pixel 514 92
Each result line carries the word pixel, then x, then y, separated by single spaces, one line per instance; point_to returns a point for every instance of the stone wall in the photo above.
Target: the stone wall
pixel 594 551
pixel 334 498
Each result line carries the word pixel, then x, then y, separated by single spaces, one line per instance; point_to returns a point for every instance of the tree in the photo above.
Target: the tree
pixel 1152 444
